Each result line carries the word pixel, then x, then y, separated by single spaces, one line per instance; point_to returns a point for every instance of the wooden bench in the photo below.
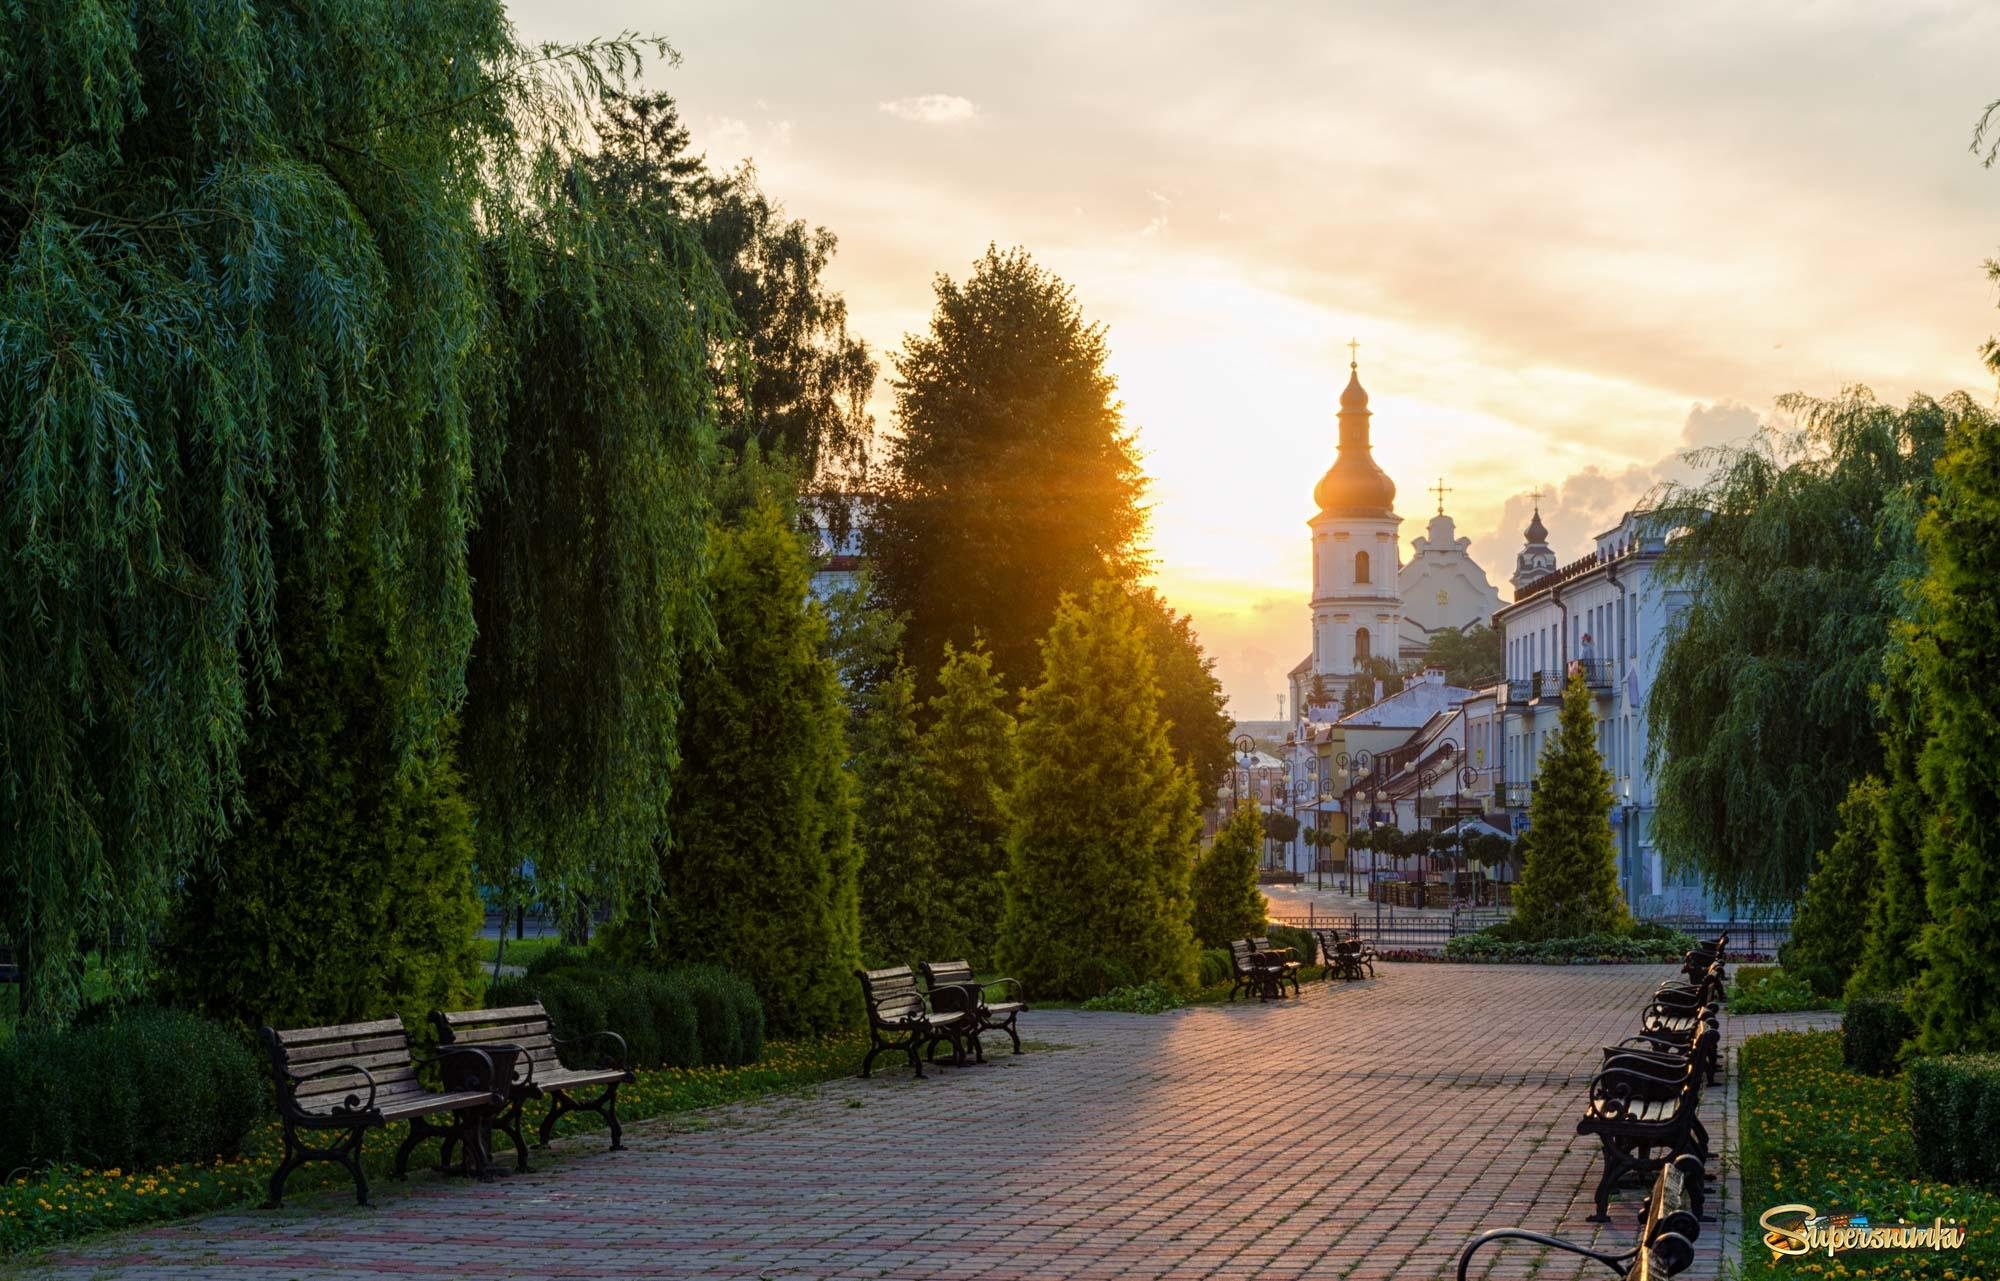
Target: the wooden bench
pixel 354 1077
pixel 1644 1115
pixel 900 1017
pixel 952 987
pixel 1343 957
pixel 538 1070
pixel 1252 970
pixel 1287 960
pixel 1668 1230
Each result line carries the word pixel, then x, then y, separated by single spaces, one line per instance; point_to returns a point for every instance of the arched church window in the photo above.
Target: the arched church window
pixel 1361 635
pixel 1361 568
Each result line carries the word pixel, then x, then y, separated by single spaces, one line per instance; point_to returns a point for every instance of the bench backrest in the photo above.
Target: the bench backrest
pixel 891 994
pixel 527 1026
pixel 382 1046
pixel 940 973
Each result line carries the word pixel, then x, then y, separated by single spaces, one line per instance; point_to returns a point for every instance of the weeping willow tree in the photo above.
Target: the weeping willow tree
pixel 1795 553
pixel 247 326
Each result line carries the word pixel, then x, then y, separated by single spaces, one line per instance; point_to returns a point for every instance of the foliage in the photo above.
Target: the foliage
pixel 896 826
pixel 1191 698
pixel 1144 998
pixel 345 892
pixel 1472 658
pixel 1228 904
pixel 1955 1117
pixel 1897 907
pixel 1490 945
pixel 1814 1133
pixel 1956 648
pixel 685 1016
pixel 1767 989
pixel 1793 553
pixel 1569 876
pixel 1213 966
pixel 806 396
pixel 1104 820
pixel 1282 829
pixel 1873 1032
pixel 70 1201
pixel 971 758
pixel 246 328
pixel 144 1088
pixel 586 556
pixel 760 872
pixel 1013 478
pixel 1834 912
pixel 1305 948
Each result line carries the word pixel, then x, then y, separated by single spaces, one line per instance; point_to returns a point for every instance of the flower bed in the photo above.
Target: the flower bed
pixel 67 1202
pixel 1813 1133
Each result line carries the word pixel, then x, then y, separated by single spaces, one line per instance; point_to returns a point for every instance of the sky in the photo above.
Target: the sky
pixel 1570 239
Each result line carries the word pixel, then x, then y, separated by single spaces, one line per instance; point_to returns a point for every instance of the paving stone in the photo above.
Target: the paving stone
pixel 1363 1132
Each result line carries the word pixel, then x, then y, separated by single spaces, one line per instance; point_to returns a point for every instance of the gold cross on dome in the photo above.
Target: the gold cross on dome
pixel 1440 490
pixel 1353 353
pixel 1535 496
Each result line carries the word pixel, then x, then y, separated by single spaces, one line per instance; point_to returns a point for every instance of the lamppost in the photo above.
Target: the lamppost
pixel 1243 745
pixel 1314 800
pixel 1352 764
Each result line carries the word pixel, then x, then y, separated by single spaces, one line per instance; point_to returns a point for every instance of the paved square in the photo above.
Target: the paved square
pixel 1366 1131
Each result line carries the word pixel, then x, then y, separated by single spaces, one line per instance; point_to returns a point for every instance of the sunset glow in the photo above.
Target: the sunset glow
pixel 1570 239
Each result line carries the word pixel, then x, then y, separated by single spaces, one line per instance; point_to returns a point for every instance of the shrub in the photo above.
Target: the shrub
pixel 1227 901
pixel 1954 1109
pixel 1872 1032
pixel 563 956
pixel 686 1016
pixel 1833 915
pixel 1492 945
pixel 1766 989
pixel 1215 966
pixel 1144 998
pixel 1302 943
pixel 148 1087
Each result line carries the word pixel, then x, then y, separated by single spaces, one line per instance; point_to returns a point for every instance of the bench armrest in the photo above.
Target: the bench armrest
pixel 624 1054
pixel 1011 984
pixel 295 1079
pixel 478 1062
pixel 1616 1262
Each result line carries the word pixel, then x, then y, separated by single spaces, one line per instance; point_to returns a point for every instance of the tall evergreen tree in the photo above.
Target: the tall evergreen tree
pixel 1191 698
pixel 1228 903
pixel 345 892
pixel 1013 478
pixel 1794 554
pixel 1833 914
pixel 1956 645
pixel 759 870
pixel 244 329
pixel 972 761
pixel 1104 820
pixel 1897 900
pixel 1569 878
pixel 896 830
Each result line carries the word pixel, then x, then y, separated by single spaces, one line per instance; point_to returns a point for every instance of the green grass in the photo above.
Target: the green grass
pixel 1813 1133
pixel 518 951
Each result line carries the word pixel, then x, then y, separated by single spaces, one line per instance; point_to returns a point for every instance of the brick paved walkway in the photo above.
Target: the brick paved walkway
pixel 1363 1132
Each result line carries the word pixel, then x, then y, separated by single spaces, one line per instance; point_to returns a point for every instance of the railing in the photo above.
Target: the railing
pixel 1425 933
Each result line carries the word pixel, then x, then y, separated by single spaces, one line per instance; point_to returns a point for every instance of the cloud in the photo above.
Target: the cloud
pixel 1587 502
pixel 932 109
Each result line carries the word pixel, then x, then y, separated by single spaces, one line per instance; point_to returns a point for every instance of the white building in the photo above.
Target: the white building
pixel 1607 614
pixel 1443 588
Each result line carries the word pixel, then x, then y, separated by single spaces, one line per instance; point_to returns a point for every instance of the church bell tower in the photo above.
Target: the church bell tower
pixel 1357 607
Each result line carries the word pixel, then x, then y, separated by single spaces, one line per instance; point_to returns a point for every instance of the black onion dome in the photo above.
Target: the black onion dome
pixel 1537 532
pixel 1354 485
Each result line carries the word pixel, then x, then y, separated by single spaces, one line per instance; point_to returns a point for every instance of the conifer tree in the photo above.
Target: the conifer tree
pixel 1834 912
pixel 345 892
pixel 759 871
pixel 1956 645
pixel 1897 906
pixel 896 830
pixel 1569 880
pixel 970 758
pixel 1104 819
pixel 1227 901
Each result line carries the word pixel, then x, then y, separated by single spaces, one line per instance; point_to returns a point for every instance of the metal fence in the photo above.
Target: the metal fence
pixel 1747 939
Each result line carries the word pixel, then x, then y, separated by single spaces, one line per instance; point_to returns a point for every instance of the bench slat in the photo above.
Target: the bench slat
pixel 504 1033
pixel 505 1013
pixel 334 1051
pixel 339 1032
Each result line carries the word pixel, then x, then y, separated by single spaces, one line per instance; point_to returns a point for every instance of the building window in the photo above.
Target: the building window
pixel 1361 638
pixel 1361 567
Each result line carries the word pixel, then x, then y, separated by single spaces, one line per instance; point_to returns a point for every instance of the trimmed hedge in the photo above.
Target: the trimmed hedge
pixel 687 1016
pixel 1872 1033
pixel 1646 943
pixel 1143 998
pixel 1300 941
pixel 1955 1117
pixel 1215 967
pixel 140 1088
